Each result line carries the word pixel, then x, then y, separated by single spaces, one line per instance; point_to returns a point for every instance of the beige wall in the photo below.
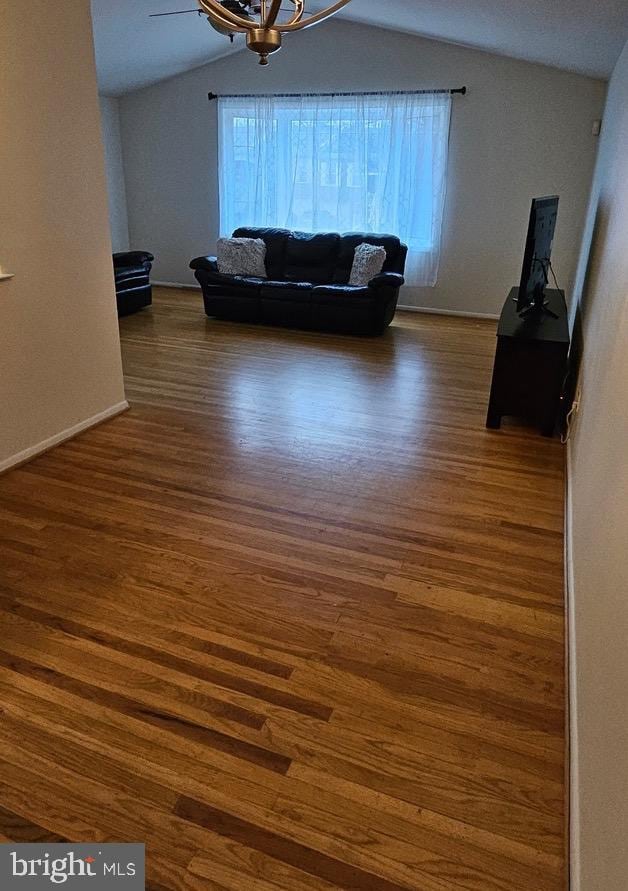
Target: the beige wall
pixel 598 547
pixel 114 166
pixel 59 346
pixel 523 130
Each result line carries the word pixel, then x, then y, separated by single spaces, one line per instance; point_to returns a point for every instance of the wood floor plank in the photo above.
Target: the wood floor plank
pixel 286 850
pixel 78 804
pixel 153 763
pixel 480 793
pixel 195 727
pixel 16 828
pixel 137 648
pixel 295 621
pixel 494 856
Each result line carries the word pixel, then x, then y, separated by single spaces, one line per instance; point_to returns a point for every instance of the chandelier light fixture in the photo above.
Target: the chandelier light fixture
pixel 263 22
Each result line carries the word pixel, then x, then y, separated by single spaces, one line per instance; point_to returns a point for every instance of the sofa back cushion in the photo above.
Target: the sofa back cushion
pixel 311 258
pixel 395 254
pixel 323 258
pixel 275 241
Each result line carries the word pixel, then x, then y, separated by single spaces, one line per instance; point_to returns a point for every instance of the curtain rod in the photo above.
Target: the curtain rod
pixel 462 91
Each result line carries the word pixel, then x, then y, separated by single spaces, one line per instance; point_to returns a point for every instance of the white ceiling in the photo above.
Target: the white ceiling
pixel 587 36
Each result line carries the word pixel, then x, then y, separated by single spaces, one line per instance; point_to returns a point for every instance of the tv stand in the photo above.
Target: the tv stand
pixel 530 362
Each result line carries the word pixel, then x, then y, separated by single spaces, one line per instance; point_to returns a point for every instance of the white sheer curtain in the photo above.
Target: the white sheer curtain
pixel 374 163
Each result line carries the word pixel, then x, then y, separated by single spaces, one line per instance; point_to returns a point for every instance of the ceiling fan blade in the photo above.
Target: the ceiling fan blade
pixel 158 15
pixel 254 5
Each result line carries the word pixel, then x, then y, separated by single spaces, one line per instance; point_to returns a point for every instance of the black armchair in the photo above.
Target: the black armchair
pixel 132 278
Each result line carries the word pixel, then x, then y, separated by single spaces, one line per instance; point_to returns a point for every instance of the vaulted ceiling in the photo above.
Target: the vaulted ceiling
pixel 587 36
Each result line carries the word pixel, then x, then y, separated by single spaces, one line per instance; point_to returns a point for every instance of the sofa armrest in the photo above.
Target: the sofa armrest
pixel 132 258
pixel 208 263
pixel 387 280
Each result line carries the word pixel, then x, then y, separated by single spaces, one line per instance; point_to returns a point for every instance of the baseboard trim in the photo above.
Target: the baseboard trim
pixel 176 285
pixel 429 310
pixel 572 761
pixel 58 438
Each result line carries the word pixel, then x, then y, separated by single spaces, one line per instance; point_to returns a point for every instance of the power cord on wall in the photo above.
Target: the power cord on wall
pixel 575 405
pixel 566 436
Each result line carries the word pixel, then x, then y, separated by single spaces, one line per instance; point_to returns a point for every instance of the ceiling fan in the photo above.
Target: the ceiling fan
pixel 258 19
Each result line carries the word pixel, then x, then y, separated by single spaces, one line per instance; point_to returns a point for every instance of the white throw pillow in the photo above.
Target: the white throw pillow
pixel 368 261
pixel 241 256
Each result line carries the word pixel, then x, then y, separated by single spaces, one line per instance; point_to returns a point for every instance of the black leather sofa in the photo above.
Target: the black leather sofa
pixel 132 277
pixel 307 283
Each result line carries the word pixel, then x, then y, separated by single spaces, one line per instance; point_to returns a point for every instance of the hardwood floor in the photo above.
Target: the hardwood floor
pixel 294 621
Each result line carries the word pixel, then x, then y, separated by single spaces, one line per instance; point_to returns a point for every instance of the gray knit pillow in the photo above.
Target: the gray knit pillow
pixel 368 261
pixel 241 256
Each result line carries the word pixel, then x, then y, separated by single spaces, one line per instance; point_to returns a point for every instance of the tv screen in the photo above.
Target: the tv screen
pixel 538 252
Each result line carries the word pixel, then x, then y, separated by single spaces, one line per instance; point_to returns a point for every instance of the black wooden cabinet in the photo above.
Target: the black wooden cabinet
pixel 530 363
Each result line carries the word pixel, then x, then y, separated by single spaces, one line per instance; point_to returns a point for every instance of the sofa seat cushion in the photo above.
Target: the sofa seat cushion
pixel 333 294
pixel 245 282
pixel 248 282
pixel 311 257
pixel 300 292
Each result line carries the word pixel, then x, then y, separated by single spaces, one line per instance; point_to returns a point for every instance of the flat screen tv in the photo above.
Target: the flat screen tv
pixel 537 256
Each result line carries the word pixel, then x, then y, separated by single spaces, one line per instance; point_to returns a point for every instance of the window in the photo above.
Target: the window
pixel 373 163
